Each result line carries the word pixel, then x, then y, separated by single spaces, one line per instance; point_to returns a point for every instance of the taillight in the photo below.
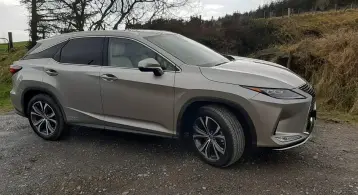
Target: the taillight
pixel 14 69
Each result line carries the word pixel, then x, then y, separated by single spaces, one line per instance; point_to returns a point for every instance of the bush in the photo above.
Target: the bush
pixel 331 63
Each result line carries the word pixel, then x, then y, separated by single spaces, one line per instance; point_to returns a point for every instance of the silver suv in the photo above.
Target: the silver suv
pixel 161 83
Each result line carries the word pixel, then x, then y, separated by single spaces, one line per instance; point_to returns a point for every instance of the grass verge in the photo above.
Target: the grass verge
pixel 5 103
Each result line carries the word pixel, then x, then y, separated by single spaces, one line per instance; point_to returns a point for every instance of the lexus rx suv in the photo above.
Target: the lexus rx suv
pixel 164 84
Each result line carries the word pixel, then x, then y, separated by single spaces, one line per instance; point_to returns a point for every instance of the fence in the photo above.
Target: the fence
pixel 7 46
pixel 293 11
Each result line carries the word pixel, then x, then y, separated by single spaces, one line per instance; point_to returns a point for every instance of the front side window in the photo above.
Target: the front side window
pixel 127 53
pixel 85 51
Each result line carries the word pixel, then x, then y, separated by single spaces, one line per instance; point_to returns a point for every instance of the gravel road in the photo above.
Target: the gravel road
pixel 92 161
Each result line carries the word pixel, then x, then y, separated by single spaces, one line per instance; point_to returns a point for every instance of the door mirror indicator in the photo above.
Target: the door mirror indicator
pixel 150 65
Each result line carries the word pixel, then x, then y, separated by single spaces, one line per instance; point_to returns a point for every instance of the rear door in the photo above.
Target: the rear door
pixel 74 76
pixel 134 100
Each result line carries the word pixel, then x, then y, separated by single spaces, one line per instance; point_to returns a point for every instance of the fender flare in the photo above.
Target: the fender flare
pixel 235 106
pixel 46 91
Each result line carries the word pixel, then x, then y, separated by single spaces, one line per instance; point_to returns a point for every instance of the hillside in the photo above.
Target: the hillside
pixel 321 47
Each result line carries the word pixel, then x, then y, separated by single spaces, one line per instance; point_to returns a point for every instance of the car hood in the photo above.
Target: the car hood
pixel 252 72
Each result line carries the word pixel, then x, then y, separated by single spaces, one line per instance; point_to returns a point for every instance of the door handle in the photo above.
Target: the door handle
pixel 51 72
pixel 109 77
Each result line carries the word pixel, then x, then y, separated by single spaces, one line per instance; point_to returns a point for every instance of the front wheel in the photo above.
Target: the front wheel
pixel 45 117
pixel 217 136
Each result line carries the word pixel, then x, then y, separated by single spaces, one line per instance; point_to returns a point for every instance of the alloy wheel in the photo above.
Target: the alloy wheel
pixel 209 138
pixel 43 118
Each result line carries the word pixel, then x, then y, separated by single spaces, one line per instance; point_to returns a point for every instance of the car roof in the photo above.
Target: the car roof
pixel 125 33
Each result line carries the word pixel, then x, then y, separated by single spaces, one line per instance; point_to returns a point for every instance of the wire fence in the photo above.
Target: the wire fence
pixel 289 12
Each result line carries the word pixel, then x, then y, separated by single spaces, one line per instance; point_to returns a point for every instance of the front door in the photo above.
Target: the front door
pixel 132 100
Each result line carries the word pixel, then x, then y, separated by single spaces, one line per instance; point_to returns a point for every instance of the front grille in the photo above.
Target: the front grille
pixel 308 89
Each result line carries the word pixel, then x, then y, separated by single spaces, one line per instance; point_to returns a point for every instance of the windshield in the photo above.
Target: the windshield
pixel 187 50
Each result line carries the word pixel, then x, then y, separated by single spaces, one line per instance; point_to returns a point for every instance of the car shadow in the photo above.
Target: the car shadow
pixel 174 148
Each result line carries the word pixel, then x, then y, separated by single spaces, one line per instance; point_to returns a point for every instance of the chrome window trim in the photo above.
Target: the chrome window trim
pixel 151 48
pixel 120 37
pixel 49 46
pixel 79 37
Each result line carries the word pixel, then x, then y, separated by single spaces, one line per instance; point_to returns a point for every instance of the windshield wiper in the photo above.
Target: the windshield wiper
pixel 220 64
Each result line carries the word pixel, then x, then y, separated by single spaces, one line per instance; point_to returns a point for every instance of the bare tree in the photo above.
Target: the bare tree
pixel 34 21
pixel 104 8
pixel 115 12
pixel 61 16
pixel 72 14
pixel 32 6
pixel 147 10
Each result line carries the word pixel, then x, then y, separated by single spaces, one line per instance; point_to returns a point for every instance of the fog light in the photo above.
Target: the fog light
pixel 288 138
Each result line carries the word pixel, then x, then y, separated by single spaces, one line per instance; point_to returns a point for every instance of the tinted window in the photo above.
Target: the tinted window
pixel 128 53
pixel 87 51
pixel 47 53
pixel 187 50
pixel 33 48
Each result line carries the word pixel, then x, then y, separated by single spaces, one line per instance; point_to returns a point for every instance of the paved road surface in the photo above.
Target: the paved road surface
pixel 92 161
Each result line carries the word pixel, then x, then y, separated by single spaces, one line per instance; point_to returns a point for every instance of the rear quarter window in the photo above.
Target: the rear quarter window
pixel 33 48
pixel 47 53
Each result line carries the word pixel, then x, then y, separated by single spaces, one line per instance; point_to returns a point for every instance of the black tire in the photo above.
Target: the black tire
pixel 230 128
pixel 60 127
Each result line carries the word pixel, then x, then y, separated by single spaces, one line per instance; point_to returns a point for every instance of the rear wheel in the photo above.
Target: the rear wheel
pixel 217 136
pixel 45 117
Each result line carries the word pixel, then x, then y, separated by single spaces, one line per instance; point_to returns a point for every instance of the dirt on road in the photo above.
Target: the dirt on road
pixel 92 161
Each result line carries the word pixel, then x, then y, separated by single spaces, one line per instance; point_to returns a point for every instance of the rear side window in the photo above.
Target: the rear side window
pixel 47 53
pixel 33 48
pixel 86 51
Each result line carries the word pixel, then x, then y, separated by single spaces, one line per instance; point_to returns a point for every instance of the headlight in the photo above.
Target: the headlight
pixel 277 93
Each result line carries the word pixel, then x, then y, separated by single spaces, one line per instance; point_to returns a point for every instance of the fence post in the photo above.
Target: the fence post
pixel 289 12
pixel 11 44
pixel 335 7
pixel 264 14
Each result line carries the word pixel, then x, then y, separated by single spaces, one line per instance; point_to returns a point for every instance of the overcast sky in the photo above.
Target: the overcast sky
pixel 14 17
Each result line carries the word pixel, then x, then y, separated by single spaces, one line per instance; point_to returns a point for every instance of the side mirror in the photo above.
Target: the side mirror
pixel 150 65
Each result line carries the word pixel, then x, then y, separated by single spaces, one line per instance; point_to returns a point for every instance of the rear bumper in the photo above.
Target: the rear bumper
pixel 20 113
pixel 16 102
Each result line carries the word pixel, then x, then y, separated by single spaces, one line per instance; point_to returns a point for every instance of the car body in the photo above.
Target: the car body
pixel 104 79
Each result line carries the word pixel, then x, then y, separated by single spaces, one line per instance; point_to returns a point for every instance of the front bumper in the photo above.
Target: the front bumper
pixel 283 124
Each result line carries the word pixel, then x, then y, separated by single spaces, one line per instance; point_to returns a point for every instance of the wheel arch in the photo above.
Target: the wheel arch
pixel 186 112
pixel 30 92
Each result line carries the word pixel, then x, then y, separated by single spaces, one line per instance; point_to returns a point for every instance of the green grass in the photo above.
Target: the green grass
pixel 6 59
pixel 5 103
pixel 3 47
